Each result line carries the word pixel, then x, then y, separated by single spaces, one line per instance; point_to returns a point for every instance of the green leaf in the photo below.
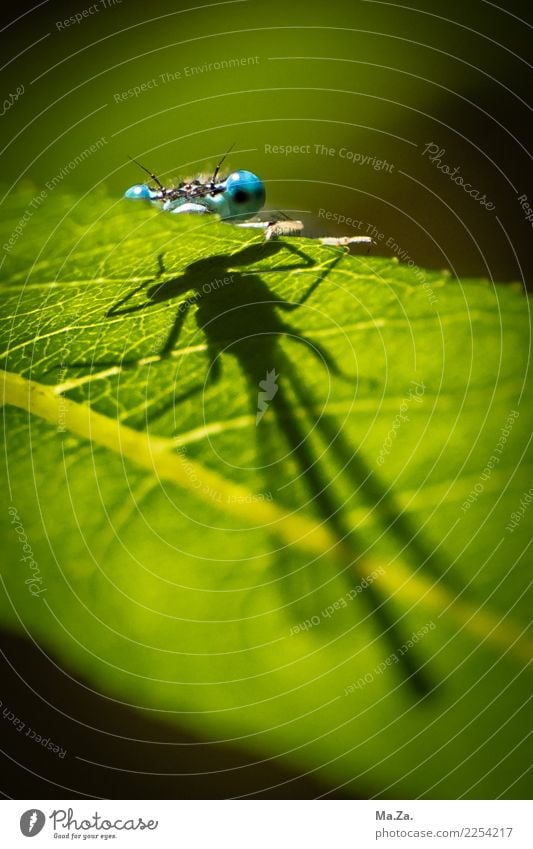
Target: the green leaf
pixel 340 581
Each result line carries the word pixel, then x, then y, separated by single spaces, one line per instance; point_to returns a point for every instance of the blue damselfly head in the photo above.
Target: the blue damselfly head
pixel 244 195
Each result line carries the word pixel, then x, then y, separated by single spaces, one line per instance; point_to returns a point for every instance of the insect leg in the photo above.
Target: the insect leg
pixel 252 225
pixel 277 229
pixel 342 241
pixel 274 229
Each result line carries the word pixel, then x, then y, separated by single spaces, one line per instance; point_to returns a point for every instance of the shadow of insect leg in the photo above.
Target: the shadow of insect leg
pixel 324 272
pixel 116 309
pixel 371 490
pixel 329 511
pixel 321 353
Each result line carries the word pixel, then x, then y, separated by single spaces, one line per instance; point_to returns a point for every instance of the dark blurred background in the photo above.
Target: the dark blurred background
pixel 361 88
pixel 107 750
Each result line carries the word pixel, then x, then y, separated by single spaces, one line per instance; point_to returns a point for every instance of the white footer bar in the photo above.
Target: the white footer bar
pixel 268 824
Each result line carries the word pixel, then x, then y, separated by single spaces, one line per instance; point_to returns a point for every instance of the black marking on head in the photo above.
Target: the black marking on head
pixel 241 196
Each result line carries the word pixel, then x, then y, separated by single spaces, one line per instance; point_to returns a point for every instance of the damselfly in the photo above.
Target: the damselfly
pixel 237 198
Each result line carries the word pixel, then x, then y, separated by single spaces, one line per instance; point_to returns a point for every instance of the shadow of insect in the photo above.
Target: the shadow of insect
pixel 240 316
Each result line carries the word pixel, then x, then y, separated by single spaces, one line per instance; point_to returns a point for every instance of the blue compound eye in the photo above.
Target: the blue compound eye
pixel 244 194
pixel 139 192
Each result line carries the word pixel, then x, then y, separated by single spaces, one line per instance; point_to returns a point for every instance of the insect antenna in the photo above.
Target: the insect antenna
pixel 154 178
pixel 217 169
